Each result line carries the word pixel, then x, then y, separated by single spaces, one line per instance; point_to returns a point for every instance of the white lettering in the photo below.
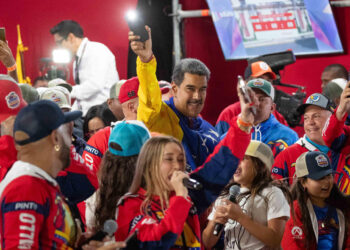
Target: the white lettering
pixel 27 230
pixel 26 205
pixel 89 161
pixel 27 218
pixel 25 244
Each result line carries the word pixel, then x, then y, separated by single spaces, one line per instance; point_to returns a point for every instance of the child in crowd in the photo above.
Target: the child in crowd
pixel 116 171
pixel 259 217
pixel 320 216
pixel 160 207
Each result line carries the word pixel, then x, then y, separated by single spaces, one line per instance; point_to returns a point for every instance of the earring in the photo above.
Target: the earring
pixel 57 148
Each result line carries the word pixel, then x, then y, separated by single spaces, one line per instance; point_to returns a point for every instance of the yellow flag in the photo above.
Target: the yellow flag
pixel 21 75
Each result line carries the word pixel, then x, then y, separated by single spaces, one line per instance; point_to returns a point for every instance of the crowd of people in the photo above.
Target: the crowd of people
pixel 138 152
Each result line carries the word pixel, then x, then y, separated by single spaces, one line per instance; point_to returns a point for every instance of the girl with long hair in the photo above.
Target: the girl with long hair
pixel 160 207
pixel 320 217
pixel 116 171
pixel 257 220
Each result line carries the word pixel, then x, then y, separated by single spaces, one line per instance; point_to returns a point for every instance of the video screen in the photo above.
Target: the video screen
pixel 249 28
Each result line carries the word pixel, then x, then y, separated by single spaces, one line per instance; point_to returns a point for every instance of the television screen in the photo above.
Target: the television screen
pixel 249 28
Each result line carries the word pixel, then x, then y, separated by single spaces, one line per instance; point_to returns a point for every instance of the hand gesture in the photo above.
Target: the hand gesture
pixel 246 112
pixel 6 56
pixel 142 49
pixel 220 215
pixel 177 183
pixel 233 210
pixel 344 105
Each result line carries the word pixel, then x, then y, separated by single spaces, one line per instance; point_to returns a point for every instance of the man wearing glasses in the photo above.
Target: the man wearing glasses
pixel 94 67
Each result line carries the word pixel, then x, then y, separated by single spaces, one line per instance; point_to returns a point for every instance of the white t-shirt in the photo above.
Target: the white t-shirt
pixel 260 211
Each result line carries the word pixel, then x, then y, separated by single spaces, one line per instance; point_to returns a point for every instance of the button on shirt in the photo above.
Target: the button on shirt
pixel 97 73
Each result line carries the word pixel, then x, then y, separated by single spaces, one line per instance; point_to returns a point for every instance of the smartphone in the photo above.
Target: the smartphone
pixel 244 91
pixel 2 35
pixel 137 25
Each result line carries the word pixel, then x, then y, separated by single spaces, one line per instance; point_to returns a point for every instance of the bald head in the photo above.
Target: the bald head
pixel 333 71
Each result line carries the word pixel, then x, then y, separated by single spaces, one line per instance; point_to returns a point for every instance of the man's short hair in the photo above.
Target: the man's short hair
pixel 191 66
pixel 339 70
pixel 67 26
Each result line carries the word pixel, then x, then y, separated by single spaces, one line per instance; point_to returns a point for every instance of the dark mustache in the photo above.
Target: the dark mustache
pixel 196 101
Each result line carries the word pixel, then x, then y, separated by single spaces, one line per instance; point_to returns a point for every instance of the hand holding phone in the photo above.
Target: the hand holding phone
pixel 244 91
pixel 136 24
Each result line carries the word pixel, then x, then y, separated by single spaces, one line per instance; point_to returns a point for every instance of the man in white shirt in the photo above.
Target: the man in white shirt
pixel 94 68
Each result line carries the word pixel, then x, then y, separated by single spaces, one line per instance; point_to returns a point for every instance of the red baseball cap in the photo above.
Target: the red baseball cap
pixel 129 90
pixel 164 86
pixel 257 69
pixel 11 100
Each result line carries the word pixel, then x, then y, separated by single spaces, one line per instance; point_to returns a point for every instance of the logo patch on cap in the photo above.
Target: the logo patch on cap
pixel 258 83
pixel 314 98
pixel 12 100
pixel 55 98
pixel 321 161
pixel 264 66
pixel 131 93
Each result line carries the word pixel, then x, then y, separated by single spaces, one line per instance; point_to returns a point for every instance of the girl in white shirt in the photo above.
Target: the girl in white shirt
pixel 259 218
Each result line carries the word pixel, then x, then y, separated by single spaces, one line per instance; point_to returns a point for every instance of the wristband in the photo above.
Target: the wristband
pixel 12 68
pixel 150 59
pixel 243 123
pixel 244 128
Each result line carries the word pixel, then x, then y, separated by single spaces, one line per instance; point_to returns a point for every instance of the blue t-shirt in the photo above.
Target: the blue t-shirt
pixel 327 233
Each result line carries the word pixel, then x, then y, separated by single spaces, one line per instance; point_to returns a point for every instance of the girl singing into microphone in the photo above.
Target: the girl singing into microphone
pixel 258 220
pixel 158 204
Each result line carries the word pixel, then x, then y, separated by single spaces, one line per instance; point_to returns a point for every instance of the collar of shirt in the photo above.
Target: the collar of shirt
pixel 322 148
pixel 81 47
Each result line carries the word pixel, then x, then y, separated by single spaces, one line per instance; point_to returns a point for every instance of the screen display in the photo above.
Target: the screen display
pixel 249 28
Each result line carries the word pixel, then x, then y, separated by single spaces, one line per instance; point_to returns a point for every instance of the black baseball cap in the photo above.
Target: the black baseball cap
pixel 39 119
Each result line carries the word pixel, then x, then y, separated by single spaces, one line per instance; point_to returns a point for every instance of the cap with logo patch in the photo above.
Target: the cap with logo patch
pixel 129 90
pixel 11 100
pixel 319 100
pixel 59 95
pixel 314 165
pixel 257 69
pixel 263 85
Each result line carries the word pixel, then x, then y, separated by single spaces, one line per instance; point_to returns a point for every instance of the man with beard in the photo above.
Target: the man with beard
pixel 266 128
pixel 33 211
pixel 178 117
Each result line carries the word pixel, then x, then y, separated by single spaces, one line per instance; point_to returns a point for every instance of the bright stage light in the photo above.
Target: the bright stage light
pixel 131 15
pixel 61 56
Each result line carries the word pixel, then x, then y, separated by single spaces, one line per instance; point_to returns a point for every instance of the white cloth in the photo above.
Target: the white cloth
pixel 97 74
pixel 90 207
pixel 259 210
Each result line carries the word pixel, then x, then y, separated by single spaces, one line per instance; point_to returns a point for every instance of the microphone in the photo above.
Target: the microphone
pixel 234 192
pixel 109 228
pixel 192 184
